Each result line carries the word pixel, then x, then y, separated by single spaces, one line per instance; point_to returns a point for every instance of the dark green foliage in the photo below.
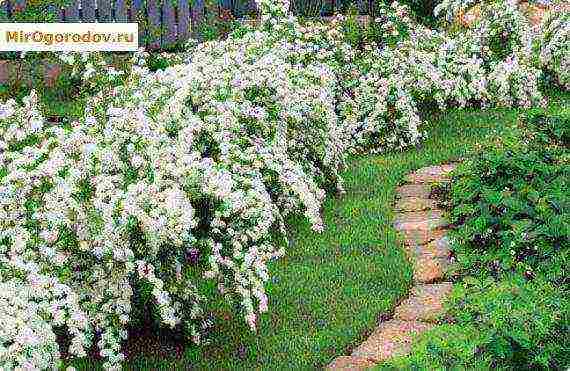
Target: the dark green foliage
pixel 525 321
pixel 512 201
pixel 540 129
pixel 422 10
pixel 512 205
pixel 514 215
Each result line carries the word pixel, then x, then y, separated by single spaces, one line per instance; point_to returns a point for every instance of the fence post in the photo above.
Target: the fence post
pixel 120 11
pixel 362 7
pixel 138 16
pixel 71 12
pixel 253 6
pixel 183 21
pixel 104 8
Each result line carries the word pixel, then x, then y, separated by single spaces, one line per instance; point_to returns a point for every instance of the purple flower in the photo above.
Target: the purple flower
pixel 193 256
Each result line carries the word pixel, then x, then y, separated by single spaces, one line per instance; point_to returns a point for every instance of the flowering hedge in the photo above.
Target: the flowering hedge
pixel 491 63
pixel 173 178
pixel 184 176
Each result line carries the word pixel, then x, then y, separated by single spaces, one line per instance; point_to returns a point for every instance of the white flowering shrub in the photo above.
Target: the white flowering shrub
pixel 502 30
pixel 554 41
pixel 32 301
pixel 175 178
pixel 392 24
pixel 382 115
pixel 273 10
pixel 91 70
pixel 437 68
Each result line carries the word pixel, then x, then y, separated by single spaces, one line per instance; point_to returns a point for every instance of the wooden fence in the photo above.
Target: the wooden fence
pixel 164 23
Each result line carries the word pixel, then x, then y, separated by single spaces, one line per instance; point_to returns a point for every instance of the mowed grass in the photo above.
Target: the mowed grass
pixel 330 289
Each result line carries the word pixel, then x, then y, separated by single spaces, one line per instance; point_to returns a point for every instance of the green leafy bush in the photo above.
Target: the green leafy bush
pixel 512 201
pixel 423 10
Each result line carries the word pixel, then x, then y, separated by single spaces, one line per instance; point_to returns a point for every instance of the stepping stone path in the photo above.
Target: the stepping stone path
pixel 424 229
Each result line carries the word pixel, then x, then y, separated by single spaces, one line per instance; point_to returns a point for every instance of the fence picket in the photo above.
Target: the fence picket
pixel 137 14
pixel 183 20
pixel 168 29
pixel 71 12
pixel 162 23
pixel 120 11
pixel 253 6
pixel 197 15
pixel 104 10
pixel 362 6
pixel 88 10
pixel 153 30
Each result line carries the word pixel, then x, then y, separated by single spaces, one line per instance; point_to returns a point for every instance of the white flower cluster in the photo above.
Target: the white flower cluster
pixel 502 30
pixel 273 9
pixel 451 8
pixel 381 113
pixel 555 46
pixel 29 311
pixel 96 71
pixel 91 69
pixel 32 302
pixel 515 83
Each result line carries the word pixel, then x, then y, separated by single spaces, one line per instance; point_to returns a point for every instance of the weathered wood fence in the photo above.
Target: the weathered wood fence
pixel 165 23
pixel 162 23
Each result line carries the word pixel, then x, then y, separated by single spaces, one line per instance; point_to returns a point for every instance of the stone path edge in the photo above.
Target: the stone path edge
pixel 423 228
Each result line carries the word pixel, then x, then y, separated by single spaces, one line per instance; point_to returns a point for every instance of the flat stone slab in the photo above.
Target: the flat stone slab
pixel 414 190
pixel 420 220
pixel 390 339
pixel 418 237
pixel 438 248
pixel 425 303
pixel 428 269
pixel 431 174
pixel 414 204
pixel 350 363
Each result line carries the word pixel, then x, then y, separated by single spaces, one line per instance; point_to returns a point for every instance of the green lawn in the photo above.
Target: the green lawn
pixel 331 288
